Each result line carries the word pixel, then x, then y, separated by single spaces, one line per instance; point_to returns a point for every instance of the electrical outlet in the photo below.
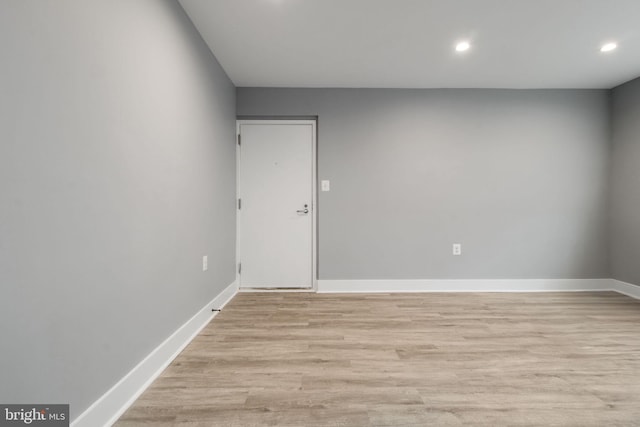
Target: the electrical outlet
pixel 457 249
pixel 205 263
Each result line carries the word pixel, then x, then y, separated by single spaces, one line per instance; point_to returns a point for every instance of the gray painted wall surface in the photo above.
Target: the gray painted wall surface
pixel 625 183
pixel 519 178
pixel 117 174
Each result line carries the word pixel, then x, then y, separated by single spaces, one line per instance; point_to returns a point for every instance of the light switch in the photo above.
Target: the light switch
pixel 205 263
pixel 325 185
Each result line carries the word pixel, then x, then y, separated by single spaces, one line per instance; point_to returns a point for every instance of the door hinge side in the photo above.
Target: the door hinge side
pixel 239 204
pixel 239 268
pixel 239 140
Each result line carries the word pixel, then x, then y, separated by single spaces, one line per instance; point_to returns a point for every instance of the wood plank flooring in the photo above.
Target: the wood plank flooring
pixel 484 359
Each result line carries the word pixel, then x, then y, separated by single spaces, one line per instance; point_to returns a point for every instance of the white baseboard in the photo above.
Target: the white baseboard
pixel 106 410
pixel 627 289
pixel 275 290
pixel 502 285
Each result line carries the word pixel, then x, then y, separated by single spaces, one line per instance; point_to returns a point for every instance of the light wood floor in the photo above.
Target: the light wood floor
pixel 301 359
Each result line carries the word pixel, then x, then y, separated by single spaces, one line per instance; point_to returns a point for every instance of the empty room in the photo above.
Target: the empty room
pixel 319 213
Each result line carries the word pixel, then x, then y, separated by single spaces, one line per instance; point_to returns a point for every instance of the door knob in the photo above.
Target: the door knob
pixel 304 211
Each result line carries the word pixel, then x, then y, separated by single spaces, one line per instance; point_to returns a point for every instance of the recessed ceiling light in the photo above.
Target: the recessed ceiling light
pixel 608 47
pixel 462 46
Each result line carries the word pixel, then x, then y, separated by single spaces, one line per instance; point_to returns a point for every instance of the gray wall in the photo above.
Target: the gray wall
pixel 519 178
pixel 117 174
pixel 625 180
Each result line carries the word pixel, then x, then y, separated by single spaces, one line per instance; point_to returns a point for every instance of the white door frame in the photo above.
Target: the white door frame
pixel 314 204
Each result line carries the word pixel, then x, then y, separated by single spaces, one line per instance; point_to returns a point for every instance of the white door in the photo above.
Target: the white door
pixel 276 204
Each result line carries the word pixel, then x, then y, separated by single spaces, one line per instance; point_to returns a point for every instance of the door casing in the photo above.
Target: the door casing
pixel 314 202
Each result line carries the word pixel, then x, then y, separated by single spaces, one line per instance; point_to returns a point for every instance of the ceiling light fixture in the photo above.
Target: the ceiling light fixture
pixel 608 47
pixel 463 46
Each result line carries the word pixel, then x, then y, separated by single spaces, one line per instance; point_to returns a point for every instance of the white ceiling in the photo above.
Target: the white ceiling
pixel 410 43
